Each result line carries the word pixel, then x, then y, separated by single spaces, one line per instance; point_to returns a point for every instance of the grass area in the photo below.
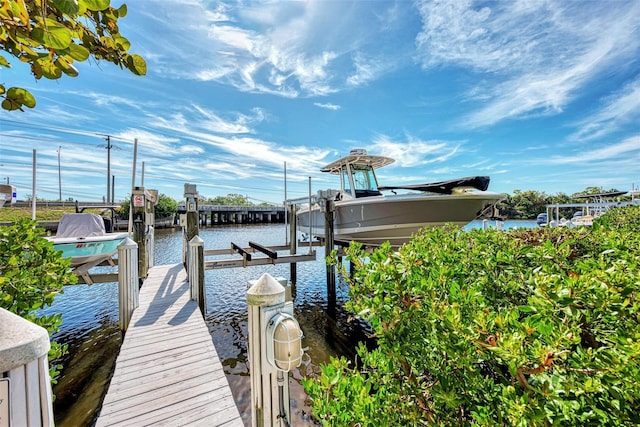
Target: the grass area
pixel 13 214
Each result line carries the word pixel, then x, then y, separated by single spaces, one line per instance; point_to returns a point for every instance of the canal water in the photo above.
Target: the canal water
pixel 90 324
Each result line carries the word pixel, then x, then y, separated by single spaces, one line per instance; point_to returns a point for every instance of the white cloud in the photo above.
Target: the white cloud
pixel 618 110
pixel 542 51
pixel 327 105
pixel 288 49
pixel 414 152
pixel 624 150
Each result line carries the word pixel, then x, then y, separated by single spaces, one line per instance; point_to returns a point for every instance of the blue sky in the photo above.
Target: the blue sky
pixel 539 95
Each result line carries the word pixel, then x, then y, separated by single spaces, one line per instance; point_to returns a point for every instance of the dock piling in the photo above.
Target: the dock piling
pixel 142 205
pixel 329 214
pixel 190 227
pixel 127 281
pixel 196 272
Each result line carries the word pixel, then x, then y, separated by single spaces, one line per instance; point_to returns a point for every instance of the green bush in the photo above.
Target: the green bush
pixel 32 273
pixel 165 207
pixel 526 327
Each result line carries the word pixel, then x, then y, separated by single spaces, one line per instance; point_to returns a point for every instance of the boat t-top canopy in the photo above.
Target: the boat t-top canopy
pixel 357 156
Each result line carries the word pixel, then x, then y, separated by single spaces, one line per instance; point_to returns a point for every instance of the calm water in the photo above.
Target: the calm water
pixel 90 324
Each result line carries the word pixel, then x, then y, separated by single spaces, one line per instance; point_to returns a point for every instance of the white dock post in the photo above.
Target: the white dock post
pixel 128 284
pixel 25 385
pixel 196 272
pixel 274 349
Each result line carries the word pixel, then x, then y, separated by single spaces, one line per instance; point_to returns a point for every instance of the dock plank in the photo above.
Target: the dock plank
pixel 168 372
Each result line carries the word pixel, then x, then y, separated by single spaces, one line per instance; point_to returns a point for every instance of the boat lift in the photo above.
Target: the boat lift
pixel 249 259
pixel 255 254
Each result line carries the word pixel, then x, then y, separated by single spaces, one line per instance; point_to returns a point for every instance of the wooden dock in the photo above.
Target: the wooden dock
pixel 168 372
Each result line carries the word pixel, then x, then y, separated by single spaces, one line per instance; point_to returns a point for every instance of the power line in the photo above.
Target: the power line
pixel 63 130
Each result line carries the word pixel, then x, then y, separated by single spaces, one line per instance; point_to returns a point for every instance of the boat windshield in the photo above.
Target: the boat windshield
pixel 364 181
pixel 346 183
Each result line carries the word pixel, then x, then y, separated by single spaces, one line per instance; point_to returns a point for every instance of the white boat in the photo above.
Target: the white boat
pixel 364 214
pixel 595 205
pixel 82 237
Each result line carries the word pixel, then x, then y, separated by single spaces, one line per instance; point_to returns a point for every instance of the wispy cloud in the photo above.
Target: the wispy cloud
pixel 414 152
pixel 627 149
pixel 274 47
pixel 618 110
pixel 327 106
pixel 530 56
pixel 227 137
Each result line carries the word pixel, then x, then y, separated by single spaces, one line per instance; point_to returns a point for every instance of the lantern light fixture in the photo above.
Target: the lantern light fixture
pixel 284 342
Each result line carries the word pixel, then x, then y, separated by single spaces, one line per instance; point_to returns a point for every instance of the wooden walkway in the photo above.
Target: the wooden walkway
pixel 168 372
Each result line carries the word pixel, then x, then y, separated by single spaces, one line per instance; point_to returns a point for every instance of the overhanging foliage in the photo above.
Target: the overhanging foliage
pixel 51 35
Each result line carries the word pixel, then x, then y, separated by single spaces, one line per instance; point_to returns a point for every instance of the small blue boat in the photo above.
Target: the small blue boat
pixel 82 238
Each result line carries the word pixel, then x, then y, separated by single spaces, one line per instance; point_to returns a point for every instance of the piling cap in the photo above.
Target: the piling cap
pixel 21 341
pixel 127 243
pixel 265 291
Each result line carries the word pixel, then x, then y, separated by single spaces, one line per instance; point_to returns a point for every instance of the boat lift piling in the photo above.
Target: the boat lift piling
pixel 328 207
pixel 326 200
pixel 142 204
pixel 189 221
pixel 293 243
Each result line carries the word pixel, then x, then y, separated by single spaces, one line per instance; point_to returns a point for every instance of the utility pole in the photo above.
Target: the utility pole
pixel 108 167
pixel 59 175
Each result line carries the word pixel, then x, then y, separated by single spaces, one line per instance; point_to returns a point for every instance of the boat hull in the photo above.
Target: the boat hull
pixel 374 220
pixel 83 250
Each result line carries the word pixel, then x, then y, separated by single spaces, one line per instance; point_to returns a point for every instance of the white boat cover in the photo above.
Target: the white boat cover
pixel 80 225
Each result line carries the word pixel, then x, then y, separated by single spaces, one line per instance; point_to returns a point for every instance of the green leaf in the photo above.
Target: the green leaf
pixel 63 64
pixel 17 97
pixel 47 68
pixel 52 34
pixel 95 5
pixel 4 62
pixel 10 105
pixel 122 43
pixel 68 7
pixel 122 11
pixel 136 64
pixel 78 52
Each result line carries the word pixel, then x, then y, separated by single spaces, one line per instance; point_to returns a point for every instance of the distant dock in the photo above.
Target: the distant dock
pixel 168 371
pixel 223 214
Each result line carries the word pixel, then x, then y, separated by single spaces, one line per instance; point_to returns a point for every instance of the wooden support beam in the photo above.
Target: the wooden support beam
pixel 97 278
pixel 232 263
pixel 267 251
pixel 241 251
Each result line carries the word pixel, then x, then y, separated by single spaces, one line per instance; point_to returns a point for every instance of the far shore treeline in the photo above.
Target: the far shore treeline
pixel 519 205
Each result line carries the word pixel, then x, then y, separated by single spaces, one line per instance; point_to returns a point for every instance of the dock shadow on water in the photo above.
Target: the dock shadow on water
pixel 90 326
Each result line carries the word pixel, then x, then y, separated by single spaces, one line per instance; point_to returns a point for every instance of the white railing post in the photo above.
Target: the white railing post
pixel 25 385
pixel 195 272
pixel 128 281
pixel 274 349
